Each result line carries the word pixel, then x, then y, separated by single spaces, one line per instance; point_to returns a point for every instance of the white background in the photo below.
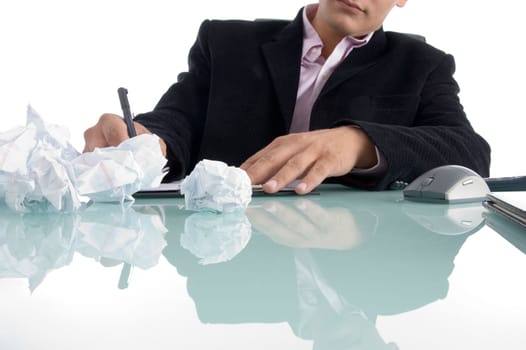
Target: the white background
pixel 67 58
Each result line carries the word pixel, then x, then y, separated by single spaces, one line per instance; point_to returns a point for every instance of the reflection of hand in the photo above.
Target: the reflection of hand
pixel 305 225
pixel 310 156
pixel 111 130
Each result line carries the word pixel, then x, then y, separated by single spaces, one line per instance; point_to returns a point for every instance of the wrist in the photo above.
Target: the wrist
pixel 366 149
pixel 141 129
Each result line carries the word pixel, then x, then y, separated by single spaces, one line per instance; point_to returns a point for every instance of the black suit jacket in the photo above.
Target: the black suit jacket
pixel 240 91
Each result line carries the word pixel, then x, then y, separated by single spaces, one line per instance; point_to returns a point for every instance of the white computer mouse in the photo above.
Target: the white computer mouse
pixel 448 184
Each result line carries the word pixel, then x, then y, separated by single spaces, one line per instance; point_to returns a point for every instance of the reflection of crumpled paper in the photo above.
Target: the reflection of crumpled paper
pixel 216 238
pixel 215 186
pixel 120 233
pixel 41 171
pixel 32 245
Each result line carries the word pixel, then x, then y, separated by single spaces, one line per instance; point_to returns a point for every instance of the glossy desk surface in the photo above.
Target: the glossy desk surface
pixel 342 270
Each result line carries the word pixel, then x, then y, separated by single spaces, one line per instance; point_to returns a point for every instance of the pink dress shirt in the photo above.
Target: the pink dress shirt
pixel 316 70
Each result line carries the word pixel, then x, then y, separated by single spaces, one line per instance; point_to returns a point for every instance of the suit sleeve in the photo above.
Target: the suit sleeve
pixel 179 116
pixel 440 134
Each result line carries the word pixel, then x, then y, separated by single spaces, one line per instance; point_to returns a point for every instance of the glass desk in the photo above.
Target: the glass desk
pixel 344 269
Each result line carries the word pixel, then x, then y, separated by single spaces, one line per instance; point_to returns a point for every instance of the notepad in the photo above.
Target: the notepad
pixel 169 189
pixel 511 205
pixel 173 189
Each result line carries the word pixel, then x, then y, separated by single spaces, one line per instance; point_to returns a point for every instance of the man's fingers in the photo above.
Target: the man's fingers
pixel 268 161
pixel 264 153
pixel 110 130
pixel 113 128
pixel 91 138
pixel 312 157
pixel 287 159
pixel 280 153
pixel 319 171
pixel 293 169
pixel 94 138
pixel 264 167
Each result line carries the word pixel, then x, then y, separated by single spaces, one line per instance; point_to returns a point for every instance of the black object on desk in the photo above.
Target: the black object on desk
pixel 511 205
pixel 128 119
pixel 125 105
pixel 505 184
pixel 173 189
pixel 165 190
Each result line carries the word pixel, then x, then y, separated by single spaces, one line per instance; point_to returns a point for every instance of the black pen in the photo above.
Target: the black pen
pixel 125 105
pixel 128 119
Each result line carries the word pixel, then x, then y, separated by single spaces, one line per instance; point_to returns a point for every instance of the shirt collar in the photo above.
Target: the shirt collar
pixel 312 44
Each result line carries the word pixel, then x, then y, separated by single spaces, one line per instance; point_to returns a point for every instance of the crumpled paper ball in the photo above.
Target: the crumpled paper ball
pixel 35 167
pixel 113 174
pixel 217 187
pixel 40 171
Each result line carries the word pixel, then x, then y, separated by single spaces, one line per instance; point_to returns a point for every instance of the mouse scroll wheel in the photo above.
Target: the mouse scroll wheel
pixel 427 181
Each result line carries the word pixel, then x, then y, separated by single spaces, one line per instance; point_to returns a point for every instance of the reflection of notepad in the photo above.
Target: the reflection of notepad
pixel 511 205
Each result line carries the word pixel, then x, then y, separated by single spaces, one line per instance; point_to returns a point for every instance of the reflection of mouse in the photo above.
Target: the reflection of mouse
pixel 448 184
pixel 447 220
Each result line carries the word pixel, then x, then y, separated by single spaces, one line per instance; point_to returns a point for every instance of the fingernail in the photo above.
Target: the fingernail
pixel 302 187
pixel 271 185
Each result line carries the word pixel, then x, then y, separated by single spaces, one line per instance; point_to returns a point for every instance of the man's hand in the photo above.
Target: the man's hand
pixel 312 157
pixel 111 130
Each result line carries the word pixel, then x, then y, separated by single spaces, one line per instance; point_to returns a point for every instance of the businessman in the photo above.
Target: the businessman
pixel 329 96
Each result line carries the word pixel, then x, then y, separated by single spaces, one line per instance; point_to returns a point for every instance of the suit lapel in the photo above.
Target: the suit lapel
pixel 283 56
pixel 358 60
